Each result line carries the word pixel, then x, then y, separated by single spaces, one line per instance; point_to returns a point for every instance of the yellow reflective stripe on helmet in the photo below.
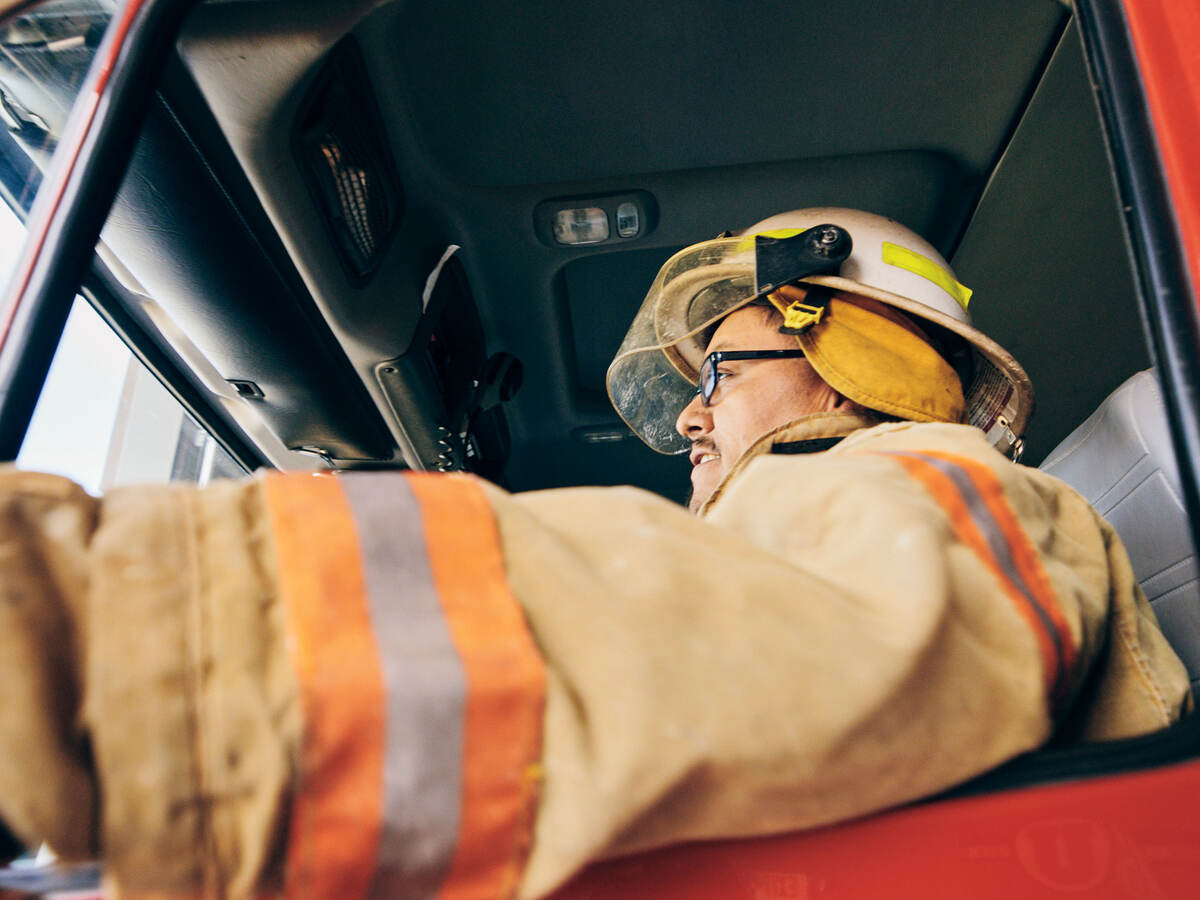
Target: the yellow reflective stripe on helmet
pixel 902 257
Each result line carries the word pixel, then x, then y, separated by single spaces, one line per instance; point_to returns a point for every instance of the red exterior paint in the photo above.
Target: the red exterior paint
pixel 1135 836
pixel 1166 39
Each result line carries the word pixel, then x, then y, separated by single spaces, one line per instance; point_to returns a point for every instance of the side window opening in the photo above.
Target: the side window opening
pixel 104 420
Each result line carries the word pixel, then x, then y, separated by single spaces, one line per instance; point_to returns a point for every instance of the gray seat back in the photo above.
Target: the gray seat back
pixel 1122 461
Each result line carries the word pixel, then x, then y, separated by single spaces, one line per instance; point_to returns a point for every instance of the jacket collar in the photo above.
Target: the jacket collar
pixel 813 433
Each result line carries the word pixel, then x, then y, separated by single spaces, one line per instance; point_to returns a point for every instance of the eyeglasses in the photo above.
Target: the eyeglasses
pixel 710 377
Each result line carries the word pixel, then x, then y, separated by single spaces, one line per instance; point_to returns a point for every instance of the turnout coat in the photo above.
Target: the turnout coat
pixel 392 684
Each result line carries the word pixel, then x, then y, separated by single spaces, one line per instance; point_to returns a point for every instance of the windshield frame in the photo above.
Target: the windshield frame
pixel 77 191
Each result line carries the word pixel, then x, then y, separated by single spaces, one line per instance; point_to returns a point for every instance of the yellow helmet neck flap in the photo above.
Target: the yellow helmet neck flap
pixel 873 355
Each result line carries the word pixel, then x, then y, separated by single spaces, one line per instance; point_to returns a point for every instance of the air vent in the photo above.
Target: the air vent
pixel 343 153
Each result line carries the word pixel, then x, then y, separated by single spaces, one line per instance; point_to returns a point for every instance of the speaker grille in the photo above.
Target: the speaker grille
pixel 347 164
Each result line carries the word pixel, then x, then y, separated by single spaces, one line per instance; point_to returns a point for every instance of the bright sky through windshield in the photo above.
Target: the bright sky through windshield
pixel 73 423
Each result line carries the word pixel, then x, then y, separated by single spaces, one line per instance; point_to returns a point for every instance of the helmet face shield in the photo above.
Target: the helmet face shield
pixel 653 376
pixel 649 394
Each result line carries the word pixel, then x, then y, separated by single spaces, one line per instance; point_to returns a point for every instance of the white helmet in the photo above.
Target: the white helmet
pixel 655 371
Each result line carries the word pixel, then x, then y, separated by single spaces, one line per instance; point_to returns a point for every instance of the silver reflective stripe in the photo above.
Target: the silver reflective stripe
pixel 997 542
pixel 425 685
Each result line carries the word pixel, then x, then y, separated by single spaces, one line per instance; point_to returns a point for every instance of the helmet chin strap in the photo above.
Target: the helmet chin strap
pixel 802 314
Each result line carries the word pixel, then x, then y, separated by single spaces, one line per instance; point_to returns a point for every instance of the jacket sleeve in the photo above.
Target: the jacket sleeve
pixel 46 524
pixel 356 685
pixel 843 633
pixel 142 662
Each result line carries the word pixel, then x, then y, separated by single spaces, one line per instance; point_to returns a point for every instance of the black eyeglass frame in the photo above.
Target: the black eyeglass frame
pixel 708 380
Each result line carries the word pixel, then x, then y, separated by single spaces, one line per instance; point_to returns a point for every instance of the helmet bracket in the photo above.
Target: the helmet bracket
pixel 784 260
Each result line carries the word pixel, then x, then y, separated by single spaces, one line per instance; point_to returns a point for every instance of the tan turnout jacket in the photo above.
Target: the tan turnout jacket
pixel 382 683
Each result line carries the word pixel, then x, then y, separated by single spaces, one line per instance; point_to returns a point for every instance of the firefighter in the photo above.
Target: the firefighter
pixel 872 309
pixel 398 684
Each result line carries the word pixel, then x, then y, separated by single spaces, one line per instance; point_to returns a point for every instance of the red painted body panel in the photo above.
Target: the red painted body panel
pixel 1166 39
pixel 1129 836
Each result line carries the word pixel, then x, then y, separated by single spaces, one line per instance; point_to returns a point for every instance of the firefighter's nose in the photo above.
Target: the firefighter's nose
pixel 695 420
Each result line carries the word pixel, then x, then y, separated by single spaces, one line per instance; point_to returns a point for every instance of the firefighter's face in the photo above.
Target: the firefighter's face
pixel 752 397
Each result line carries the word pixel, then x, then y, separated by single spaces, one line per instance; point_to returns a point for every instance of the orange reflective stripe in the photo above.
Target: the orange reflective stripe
pixel 337 808
pixel 931 470
pixel 505 687
pixel 339 621
pixel 1023 552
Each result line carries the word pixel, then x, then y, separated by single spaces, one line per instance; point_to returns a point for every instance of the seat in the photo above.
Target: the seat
pixel 1121 459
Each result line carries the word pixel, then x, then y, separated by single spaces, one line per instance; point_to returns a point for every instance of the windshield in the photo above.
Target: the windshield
pixel 44 56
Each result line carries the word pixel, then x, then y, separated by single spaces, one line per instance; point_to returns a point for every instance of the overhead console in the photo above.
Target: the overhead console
pixel 447 377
